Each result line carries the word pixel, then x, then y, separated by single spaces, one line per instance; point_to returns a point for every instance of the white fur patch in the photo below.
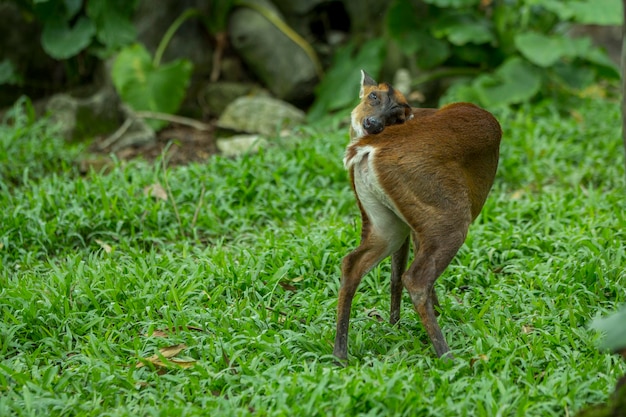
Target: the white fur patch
pixel 386 220
pixel 361 151
pixel 362 91
pixel 359 132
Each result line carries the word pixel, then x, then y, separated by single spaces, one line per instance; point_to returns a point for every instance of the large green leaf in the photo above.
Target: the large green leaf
pixel 146 87
pixel 61 41
pixel 463 28
pixel 513 82
pixel 540 49
pixel 545 50
pixel 558 7
pixel 591 12
pixel 597 12
pixel 113 22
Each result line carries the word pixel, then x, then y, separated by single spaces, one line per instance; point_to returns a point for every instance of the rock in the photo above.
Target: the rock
pixel 240 144
pixel 85 118
pixel 281 64
pixel 264 115
pixel 215 97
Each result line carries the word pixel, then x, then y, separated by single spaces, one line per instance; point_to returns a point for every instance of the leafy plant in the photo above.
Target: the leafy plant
pixel 72 26
pixel 339 87
pixel 510 51
pixel 8 74
pixel 146 84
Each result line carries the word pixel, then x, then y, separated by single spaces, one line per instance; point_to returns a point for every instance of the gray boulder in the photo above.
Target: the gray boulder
pixel 264 115
pixel 281 64
pixel 85 118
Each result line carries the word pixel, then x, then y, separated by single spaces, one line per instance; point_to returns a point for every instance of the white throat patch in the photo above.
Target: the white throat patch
pixel 359 132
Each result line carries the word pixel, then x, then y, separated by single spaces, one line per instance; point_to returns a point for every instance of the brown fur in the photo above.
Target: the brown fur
pixel 436 169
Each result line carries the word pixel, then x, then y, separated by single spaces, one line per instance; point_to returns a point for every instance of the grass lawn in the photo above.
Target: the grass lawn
pixel 237 271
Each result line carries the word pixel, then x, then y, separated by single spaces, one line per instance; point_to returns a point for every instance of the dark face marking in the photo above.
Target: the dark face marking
pixel 385 107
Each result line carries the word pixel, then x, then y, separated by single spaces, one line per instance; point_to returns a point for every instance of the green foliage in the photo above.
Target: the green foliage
pixel 217 19
pixel 30 148
pixel 62 41
pixel 339 89
pixel 95 275
pixel 520 46
pixel 146 86
pixel 8 75
pixel 72 26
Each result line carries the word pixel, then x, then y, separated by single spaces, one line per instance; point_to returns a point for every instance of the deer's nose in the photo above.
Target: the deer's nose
pixel 372 125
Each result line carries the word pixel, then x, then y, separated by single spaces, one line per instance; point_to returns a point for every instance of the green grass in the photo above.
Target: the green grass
pixel 92 271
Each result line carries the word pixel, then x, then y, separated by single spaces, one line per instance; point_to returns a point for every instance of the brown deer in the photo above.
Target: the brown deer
pixel 420 173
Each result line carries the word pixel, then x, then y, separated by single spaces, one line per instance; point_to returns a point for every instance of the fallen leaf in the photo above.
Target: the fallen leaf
pixel 159 333
pixel 107 248
pixel 373 313
pixel 517 194
pixel 481 357
pixel 526 329
pixel 287 286
pixel 185 364
pixel 156 191
pixel 166 352
pixel 171 351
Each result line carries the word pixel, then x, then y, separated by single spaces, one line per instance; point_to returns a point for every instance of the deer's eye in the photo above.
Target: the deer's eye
pixel 373 96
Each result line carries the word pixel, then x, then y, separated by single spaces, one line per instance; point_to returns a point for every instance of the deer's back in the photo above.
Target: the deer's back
pixel 445 155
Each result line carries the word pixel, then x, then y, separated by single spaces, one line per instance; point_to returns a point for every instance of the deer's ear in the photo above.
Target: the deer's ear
pixel 366 80
pixel 408 112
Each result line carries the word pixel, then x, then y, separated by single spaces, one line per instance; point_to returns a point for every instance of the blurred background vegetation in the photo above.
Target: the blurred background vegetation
pixel 193 57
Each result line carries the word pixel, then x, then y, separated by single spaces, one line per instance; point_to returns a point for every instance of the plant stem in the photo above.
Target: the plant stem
pixel 169 34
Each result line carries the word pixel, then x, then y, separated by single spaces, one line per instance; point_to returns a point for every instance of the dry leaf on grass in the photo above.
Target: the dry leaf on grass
pixel 156 191
pixel 481 357
pixel 167 353
pixel 287 286
pixel 159 333
pixel 185 364
pixel 106 247
pixel 373 313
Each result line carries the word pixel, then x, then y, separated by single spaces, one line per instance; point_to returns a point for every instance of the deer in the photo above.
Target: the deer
pixel 418 174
